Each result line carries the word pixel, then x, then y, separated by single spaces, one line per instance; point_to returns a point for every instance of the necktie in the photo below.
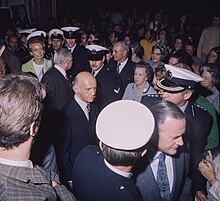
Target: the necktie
pixel 68 80
pixel 117 69
pixel 162 178
pixel 88 110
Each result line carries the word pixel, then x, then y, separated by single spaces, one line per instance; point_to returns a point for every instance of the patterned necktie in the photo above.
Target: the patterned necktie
pixel 117 69
pixel 162 178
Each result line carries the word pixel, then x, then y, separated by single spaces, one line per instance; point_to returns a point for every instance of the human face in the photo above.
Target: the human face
pixel 57 44
pixel 37 50
pixel 207 80
pixel 140 76
pixel 178 98
pixel 86 89
pixel 156 55
pixel 127 40
pixel 70 42
pixel 112 38
pixel 212 57
pixel 119 53
pixel 173 61
pixel 95 65
pixel 13 43
pixel 189 49
pixel 170 135
pixel 91 38
pixel 162 35
pixel 178 44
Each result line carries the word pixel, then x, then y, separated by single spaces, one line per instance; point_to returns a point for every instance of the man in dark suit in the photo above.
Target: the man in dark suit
pixel 13 64
pixel 80 55
pixel 59 93
pixel 178 88
pixel 77 124
pixel 105 173
pixel 20 179
pixel 166 142
pixel 109 84
pixel 122 64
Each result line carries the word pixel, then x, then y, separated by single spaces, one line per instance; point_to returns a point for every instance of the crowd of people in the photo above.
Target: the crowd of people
pixel 114 110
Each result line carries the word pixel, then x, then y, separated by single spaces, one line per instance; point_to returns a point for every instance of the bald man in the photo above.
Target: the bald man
pixel 77 126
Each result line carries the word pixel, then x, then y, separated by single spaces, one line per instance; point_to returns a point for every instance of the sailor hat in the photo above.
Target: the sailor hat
pixel 70 32
pixel 55 34
pixel 36 37
pixel 96 52
pixel 125 125
pixel 26 31
pixel 178 79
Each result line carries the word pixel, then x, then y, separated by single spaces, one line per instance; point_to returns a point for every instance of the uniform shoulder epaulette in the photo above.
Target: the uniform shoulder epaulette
pixel 195 104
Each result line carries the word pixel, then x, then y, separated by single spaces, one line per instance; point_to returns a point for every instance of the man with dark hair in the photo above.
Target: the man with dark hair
pixel 123 127
pixel 109 84
pixel 21 108
pixel 80 56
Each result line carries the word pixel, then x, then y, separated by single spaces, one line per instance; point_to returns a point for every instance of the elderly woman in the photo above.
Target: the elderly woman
pixel 210 74
pixel 143 76
pixel 38 65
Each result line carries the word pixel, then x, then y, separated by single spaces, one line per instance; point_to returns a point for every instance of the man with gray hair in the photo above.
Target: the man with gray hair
pixel 59 93
pixel 121 63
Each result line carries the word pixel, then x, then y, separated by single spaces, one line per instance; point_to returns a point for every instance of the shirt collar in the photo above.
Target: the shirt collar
pixel 81 103
pixel 117 171
pixel 27 163
pixel 2 50
pixel 61 70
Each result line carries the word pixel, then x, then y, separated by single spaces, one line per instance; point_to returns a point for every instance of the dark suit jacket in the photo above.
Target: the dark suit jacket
pixel 80 61
pixel 23 183
pixel 13 64
pixel 59 91
pixel 127 73
pixel 94 181
pixel 109 87
pixel 146 182
pixel 76 133
pixel 199 123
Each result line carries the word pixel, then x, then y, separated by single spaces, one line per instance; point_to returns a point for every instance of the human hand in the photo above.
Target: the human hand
pixel 200 196
pixel 70 184
pixel 207 170
pixel 54 183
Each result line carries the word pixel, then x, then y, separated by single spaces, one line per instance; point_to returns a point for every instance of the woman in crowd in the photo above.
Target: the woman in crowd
pixel 214 56
pixel 210 74
pixel 38 65
pixel 137 51
pixel 143 76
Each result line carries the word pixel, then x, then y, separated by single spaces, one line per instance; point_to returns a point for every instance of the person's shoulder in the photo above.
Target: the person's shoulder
pixel 150 99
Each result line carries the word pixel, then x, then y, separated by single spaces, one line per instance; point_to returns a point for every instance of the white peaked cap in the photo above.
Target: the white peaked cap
pixel 55 32
pixel 37 33
pixel 125 125
pixel 96 48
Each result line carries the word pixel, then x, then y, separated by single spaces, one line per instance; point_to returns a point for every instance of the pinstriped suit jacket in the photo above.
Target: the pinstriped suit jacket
pixel 146 182
pixel 23 183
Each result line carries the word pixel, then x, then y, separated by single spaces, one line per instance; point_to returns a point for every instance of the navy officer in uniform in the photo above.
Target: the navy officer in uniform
pixel 178 87
pixel 109 84
pixel 123 127
pixel 80 55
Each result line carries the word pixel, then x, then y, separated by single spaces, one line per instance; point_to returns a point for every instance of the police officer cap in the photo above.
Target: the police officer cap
pixel 96 52
pixel 70 32
pixel 178 79
pixel 125 125
pixel 55 34
pixel 36 37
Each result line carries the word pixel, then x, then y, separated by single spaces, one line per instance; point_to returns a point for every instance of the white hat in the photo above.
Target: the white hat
pixel 55 33
pixel 96 48
pixel 41 34
pixel 96 52
pixel 125 125
pixel 70 32
pixel 178 79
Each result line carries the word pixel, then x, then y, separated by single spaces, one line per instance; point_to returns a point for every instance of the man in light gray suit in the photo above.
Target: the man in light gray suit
pixel 167 141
